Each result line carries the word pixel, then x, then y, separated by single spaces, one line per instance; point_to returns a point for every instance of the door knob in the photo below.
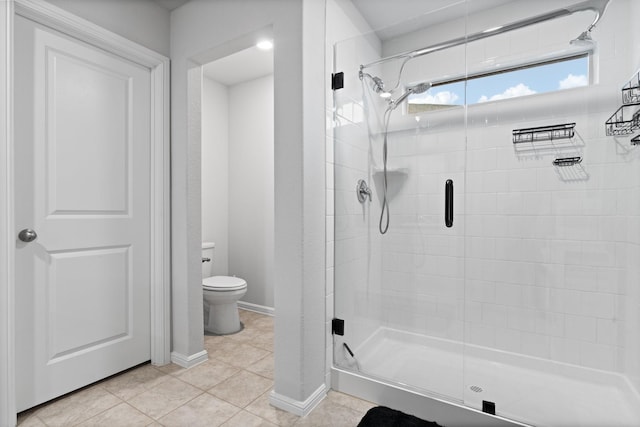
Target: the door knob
pixel 27 235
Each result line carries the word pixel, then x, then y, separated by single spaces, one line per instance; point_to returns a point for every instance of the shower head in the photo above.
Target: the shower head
pixel 376 84
pixel 378 87
pixel 417 88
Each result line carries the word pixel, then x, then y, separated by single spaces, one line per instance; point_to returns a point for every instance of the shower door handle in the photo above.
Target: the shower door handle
pixel 448 203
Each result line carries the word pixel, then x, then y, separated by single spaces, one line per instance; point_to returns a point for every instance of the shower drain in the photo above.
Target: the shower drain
pixel 476 389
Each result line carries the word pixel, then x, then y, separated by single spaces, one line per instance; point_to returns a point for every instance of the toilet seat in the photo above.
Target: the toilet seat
pixel 223 283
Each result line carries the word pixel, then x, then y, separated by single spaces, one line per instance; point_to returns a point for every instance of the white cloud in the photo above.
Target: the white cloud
pixel 573 81
pixel 442 98
pixel 519 90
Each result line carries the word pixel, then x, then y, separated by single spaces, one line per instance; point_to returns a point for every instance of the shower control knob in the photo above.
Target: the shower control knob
pixel 363 190
pixel 27 235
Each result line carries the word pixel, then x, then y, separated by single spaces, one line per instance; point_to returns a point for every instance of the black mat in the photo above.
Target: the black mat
pixel 381 416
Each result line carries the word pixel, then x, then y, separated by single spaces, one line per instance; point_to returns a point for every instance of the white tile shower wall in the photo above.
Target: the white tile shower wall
pixel 422 261
pixel 544 256
pixel 567 227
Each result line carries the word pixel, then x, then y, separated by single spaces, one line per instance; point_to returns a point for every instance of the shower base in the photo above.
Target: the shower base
pixel 530 390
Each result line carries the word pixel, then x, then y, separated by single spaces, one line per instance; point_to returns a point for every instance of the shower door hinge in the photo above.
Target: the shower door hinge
pixel 337 81
pixel 337 327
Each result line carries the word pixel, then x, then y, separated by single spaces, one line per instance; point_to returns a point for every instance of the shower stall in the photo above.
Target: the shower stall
pixel 486 212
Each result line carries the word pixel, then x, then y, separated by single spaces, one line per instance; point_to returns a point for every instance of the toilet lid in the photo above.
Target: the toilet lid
pixel 224 283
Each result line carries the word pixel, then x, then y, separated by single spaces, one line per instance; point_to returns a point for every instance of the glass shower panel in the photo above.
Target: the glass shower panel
pixel 549 332
pixel 399 288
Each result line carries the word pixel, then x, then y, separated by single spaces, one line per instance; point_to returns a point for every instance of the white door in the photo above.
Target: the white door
pixel 82 173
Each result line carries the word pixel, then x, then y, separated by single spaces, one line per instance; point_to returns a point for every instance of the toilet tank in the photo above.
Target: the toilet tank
pixel 207 252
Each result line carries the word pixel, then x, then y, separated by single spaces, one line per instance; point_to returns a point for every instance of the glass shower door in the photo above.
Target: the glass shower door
pixel 399 288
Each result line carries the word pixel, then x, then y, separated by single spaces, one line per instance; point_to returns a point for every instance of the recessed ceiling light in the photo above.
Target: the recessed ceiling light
pixel 264 45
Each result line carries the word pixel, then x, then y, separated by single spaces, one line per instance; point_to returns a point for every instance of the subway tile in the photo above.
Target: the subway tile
pixel 537 203
pixel 508 294
pixel 565 350
pixel 572 302
pixel 551 324
pixel 482 160
pixel 522 180
pixel 510 203
pixel 481 291
pixel 480 335
pixel 494 315
pixel 599 305
pixel 522 319
pixel 535 297
pixel 495 181
pixel 598 356
pixel 581 328
pixel 611 280
pixel 598 253
pixel 607 331
pixel 580 278
pixel 508 340
pixel 535 345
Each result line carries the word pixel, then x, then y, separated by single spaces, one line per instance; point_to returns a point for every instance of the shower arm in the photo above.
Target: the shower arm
pixel 598 6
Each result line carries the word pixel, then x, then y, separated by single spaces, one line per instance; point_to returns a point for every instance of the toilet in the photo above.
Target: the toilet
pixel 221 295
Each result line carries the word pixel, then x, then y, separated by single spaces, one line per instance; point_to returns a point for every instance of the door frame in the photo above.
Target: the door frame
pixel 67 23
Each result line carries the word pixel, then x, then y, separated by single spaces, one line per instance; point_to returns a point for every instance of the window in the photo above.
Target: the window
pixel 550 76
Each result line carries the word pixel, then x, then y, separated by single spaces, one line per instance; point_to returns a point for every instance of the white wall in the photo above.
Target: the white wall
pixel 215 172
pixel 237 182
pixel 142 21
pixel 251 194
pixel 202 31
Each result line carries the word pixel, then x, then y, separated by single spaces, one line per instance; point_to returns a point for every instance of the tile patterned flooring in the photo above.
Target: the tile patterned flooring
pixel 230 389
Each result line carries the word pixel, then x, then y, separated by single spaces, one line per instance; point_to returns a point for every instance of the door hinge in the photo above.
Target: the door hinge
pixel 337 81
pixel 337 327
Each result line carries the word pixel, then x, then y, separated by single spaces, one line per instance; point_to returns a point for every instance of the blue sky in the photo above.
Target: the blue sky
pixel 550 77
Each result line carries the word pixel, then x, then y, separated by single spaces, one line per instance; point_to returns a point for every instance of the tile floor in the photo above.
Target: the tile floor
pixel 230 389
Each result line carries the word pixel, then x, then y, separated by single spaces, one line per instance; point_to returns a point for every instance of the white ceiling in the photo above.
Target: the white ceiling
pixel 170 4
pixel 240 67
pixel 391 19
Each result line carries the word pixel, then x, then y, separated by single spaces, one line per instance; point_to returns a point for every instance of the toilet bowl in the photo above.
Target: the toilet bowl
pixel 220 297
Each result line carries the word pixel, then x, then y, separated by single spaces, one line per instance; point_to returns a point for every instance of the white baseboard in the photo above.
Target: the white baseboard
pixel 295 406
pixel 189 361
pixel 262 309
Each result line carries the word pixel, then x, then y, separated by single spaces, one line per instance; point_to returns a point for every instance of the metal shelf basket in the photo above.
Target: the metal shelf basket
pixel 544 133
pixel 624 121
pixel 631 91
